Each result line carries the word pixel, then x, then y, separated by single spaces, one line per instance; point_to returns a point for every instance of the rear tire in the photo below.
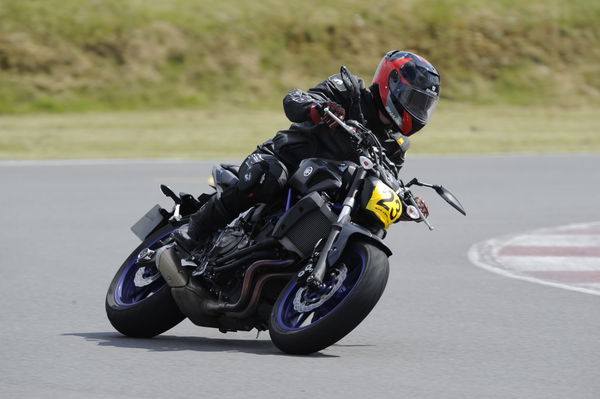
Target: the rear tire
pixel 296 330
pixel 145 311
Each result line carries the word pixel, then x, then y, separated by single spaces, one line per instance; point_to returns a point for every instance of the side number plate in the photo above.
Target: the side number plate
pixel 150 221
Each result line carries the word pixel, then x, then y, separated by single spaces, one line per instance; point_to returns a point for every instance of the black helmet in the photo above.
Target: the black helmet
pixel 408 87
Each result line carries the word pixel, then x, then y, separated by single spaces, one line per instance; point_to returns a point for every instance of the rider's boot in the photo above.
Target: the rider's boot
pixel 183 239
pixel 262 178
pixel 215 214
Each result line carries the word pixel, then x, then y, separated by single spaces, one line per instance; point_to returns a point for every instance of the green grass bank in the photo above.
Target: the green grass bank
pixel 454 129
pixel 81 55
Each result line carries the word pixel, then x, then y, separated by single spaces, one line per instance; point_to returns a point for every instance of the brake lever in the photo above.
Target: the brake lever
pixel 344 125
pixel 412 201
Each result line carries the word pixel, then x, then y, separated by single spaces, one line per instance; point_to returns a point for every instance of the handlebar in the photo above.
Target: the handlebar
pixel 360 133
pixel 344 125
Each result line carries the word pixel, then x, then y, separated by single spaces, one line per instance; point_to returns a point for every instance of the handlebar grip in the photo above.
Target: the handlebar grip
pixel 343 124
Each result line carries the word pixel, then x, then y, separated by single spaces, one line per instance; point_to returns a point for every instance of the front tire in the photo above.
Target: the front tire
pixel 139 302
pixel 303 323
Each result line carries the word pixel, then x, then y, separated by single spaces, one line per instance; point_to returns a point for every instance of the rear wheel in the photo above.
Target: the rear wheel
pixel 139 301
pixel 304 320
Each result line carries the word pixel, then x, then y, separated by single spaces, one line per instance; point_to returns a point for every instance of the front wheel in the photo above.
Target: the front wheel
pixel 304 321
pixel 139 302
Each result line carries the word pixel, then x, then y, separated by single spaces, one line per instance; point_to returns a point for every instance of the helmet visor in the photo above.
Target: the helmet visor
pixel 420 104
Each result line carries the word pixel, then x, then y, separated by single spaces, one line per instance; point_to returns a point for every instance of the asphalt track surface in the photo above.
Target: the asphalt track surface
pixel 443 329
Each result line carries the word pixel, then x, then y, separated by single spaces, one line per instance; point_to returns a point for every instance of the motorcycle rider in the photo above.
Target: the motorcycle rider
pixel 399 103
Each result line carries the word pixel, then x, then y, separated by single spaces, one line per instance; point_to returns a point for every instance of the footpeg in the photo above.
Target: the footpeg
pixel 200 270
pixel 145 255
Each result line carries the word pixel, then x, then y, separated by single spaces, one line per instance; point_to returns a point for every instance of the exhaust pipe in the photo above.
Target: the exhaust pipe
pixel 191 298
pixel 199 305
pixel 168 264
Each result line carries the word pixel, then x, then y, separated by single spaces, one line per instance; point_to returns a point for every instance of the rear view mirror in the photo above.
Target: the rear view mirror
pixel 449 198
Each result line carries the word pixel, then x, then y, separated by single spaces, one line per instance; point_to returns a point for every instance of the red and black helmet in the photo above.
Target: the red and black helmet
pixel 408 87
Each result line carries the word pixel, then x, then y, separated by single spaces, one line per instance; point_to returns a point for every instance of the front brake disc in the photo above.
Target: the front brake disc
pixel 306 299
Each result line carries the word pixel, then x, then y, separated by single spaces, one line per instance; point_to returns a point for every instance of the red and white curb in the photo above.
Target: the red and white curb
pixel 565 256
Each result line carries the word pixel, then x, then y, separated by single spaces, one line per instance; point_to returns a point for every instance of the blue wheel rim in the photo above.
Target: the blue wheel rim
pixel 291 320
pixel 126 292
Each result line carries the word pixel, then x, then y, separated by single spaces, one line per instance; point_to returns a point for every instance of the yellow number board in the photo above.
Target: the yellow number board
pixel 385 203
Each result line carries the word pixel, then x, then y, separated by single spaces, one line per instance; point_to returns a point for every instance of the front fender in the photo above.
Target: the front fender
pixel 351 230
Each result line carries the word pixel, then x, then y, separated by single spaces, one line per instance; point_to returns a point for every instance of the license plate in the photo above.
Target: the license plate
pixel 150 221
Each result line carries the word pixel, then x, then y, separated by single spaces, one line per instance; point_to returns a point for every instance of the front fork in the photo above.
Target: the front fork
pixel 315 279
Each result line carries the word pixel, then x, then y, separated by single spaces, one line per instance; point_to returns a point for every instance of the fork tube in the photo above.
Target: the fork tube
pixel 316 277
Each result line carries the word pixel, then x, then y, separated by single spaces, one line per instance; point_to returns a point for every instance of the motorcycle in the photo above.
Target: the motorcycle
pixel 308 267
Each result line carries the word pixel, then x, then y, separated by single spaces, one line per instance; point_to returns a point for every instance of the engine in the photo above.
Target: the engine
pixel 231 239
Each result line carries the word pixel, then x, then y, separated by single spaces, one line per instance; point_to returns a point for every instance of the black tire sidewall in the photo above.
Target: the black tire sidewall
pixel 345 317
pixel 151 316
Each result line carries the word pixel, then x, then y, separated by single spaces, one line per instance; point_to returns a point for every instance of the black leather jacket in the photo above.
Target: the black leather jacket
pixel 305 139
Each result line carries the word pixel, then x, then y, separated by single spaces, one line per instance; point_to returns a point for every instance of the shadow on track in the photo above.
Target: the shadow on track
pixel 171 343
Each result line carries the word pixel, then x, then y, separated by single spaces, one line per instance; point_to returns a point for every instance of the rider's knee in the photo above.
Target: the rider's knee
pixel 262 176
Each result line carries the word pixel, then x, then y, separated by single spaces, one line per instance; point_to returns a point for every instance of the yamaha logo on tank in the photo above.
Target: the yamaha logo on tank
pixel 308 171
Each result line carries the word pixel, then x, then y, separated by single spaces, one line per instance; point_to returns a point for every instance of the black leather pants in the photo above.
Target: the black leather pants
pixel 262 178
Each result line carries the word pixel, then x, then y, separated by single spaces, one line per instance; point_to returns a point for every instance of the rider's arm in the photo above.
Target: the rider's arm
pixel 298 104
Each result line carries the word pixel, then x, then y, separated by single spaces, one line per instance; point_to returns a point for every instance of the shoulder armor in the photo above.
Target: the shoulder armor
pixel 337 81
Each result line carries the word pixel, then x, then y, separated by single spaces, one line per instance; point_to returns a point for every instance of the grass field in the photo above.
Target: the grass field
pixel 104 55
pixel 455 129
pixel 92 78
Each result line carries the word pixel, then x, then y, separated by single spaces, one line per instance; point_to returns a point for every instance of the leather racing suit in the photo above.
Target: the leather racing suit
pixel 263 174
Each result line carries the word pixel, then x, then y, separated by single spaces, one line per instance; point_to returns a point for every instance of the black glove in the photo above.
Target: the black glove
pixel 396 147
pixel 318 115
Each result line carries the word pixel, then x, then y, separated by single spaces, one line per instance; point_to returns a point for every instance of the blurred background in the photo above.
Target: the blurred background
pixel 203 79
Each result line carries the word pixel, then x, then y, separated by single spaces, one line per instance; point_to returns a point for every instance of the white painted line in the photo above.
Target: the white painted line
pixel 485 254
pixel 552 240
pixel 476 258
pixel 549 263
pixel 592 286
